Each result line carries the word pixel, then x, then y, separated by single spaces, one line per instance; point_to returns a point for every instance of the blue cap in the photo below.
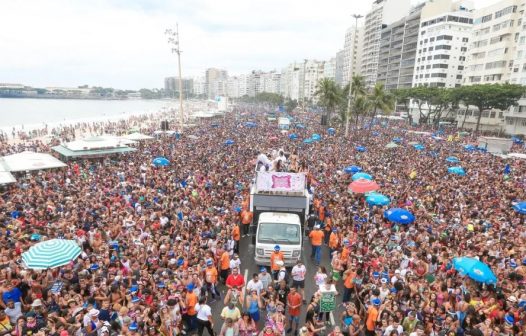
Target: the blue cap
pixel 209 262
pixel 509 319
pixel 522 303
pixel 277 248
pixel 135 299
pixel 94 267
pixel 190 287
pixel 134 288
pixel 160 284
pixel 376 301
pixel 133 326
pixel 376 274
pixel 262 269
pixel 513 264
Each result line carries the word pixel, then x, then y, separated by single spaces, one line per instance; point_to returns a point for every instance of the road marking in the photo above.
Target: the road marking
pixel 245 274
pixel 331 316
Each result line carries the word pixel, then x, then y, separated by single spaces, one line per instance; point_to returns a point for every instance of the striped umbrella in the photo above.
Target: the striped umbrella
pixel 51 254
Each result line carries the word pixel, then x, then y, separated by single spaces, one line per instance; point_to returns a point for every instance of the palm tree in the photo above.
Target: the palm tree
pixel 361 106
pixel 380 99
pixel 357 90
pixel 329 96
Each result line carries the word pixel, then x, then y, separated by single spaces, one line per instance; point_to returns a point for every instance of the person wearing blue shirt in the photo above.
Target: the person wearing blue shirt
pixel 12 293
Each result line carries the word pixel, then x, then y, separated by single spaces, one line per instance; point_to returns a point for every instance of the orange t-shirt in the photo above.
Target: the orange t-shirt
pixel 333 240
pixel 191 301
pixel 348 283
pixel 294 300
pixel 225 261
pixel 372 315
pixel 211 274
pixel 275 257
pixel 235 233
pixel 246 217
pixel 321 213
pixel 316 237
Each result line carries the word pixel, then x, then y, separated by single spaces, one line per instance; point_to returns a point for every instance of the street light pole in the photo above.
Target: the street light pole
pixel 173 40
pixel 356 17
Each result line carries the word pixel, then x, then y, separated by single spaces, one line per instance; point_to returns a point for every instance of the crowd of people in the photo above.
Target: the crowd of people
pixel 161 245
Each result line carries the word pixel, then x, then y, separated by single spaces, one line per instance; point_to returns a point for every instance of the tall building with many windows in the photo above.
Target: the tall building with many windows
pixel 383 13
pixel 496 44
pixel 352 54
pixel 216 82
pixel 443 42
pixel 398 47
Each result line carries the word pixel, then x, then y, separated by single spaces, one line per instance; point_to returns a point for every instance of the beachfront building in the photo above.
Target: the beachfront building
pixel 338 67
pixel 352 54
pixel 398 48
pixel 216 82
pixel 329 69
pixel 199 86
pixel 171 86
pixel 383 12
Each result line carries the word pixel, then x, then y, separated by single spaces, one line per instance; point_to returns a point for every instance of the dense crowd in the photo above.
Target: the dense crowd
pixel 161 244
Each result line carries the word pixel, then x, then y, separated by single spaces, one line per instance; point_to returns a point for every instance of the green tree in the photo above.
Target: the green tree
pixel 380 99
pixel 329 96
pixel 403 96
pixel 490 96
pixel 290 105
pixel 358 89
pixel 361 106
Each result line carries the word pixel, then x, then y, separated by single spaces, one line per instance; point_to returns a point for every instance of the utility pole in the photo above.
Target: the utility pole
pixel 350 97
pixel 303 85
pixel 173 40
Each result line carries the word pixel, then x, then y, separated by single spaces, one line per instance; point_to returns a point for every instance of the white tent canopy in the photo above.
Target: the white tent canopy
pixel 6 177
pixel 138 137
pixel 517 155
pixel 94 143
pixel 27 160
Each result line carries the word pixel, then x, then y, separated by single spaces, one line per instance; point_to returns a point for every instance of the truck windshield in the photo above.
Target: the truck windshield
pixel 279 233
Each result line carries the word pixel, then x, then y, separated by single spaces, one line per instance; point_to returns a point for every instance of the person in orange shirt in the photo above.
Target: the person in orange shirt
pixel 236 235
pixel 372 317
pixel 211 279
pixel 246 219
pixel 191 313
pixel 334 240
pixel 224 265
pixel 316 240
pixel 274 264
pixel 327 228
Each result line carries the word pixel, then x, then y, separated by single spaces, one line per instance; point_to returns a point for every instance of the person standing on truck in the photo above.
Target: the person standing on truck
pixel 277 255
pixel 316 240
pixel 246 219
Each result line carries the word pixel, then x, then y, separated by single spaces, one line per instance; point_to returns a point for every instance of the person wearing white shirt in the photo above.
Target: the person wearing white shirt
pixel 235 262
pixel 298 277
pixel 395 325
pixel 204 317
pixel 255 284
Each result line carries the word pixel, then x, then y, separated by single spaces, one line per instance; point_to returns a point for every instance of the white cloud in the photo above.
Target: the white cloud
pixel 121 43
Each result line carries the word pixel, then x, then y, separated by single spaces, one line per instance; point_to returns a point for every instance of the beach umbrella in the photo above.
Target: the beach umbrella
pixel 475 269
pixel 418 147
pixel 363 186
pixel 308 141
pixel 361 175
pixel 456 170
pixel 331 131
pixel 376 133
pixel 517 140
pixel 391 145
pixel 469 148
pixel 352 169
pixel 452 159
pixel 293 136
pixel 377 199
pixel 316 137
pixel 160 162
pixel 397 140
pixel 399 216
pixel 229 142
pixel 51 253
pixel 360 148
pixel 520 207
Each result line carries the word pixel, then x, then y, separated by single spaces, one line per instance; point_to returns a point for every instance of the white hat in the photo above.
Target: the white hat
pixel 93 312
pixel 512 298
pixel 397 272
pixel 36 303
pixel 173 261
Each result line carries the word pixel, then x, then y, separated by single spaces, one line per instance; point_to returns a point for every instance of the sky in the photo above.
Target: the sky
pixel 122 43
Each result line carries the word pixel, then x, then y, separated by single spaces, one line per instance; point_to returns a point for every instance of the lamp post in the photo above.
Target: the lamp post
pixel 173 40
pixel 356 17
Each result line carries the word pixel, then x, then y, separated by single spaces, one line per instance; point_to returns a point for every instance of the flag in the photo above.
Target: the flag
pixel 507 169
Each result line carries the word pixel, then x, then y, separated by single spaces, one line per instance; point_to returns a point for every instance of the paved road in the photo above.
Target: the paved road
pixel 248 267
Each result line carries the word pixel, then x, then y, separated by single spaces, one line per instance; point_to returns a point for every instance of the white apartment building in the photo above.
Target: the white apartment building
pixel 314 72
pixel 199 85
pixel 270 82
pixel 443 42
pixel 383 12
pixel 329 69
pixel 352 53
pixel 233 87
pixel 291 80
pixel 338 67
pixel 495 38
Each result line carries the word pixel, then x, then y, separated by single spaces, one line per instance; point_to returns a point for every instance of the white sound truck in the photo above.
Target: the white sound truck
pixel 280 206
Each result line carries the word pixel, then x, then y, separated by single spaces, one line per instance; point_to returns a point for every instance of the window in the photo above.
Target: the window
pixel 444 46
pixel 475 79
pixel 501 114
pixel 462 58
pixel 505 11
pixel 432 39
pixel 494 65
pixel 440 66
pixel 428 66
pixel 493 114
pixel 460 67
pixel 465 39
pixel 445 37
pixel 439 75
pixel 463 49
pixel 486 18
pixel 459 76
pixel 441 56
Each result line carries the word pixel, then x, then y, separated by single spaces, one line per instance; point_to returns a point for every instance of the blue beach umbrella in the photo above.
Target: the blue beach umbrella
pixel 293 136
pixel 475 269
pixel 229 142
pixel 300 126
pixel 456 170
pixel 418 147
pixel 469 148
pixel 360 148
pixel 331 131
pixel 376 133
pixel 452 159
pixel 399 216
pixel 517 140
pixel 520 207
pixel 352 169
pixel 308 141
pixel 361 175
pixel 377 199
pixel 316 137
pixel 160 162
pixel 51 254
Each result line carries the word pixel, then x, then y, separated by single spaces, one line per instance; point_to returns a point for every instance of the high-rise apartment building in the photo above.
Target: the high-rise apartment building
pixel 494 43
pixel 352 53
pixel 216 82
pixel 443 42
pixel 338 67
pixel 199 86
pixel 171 86
pixel 398 48
pixel 329 69
pixel 383 12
